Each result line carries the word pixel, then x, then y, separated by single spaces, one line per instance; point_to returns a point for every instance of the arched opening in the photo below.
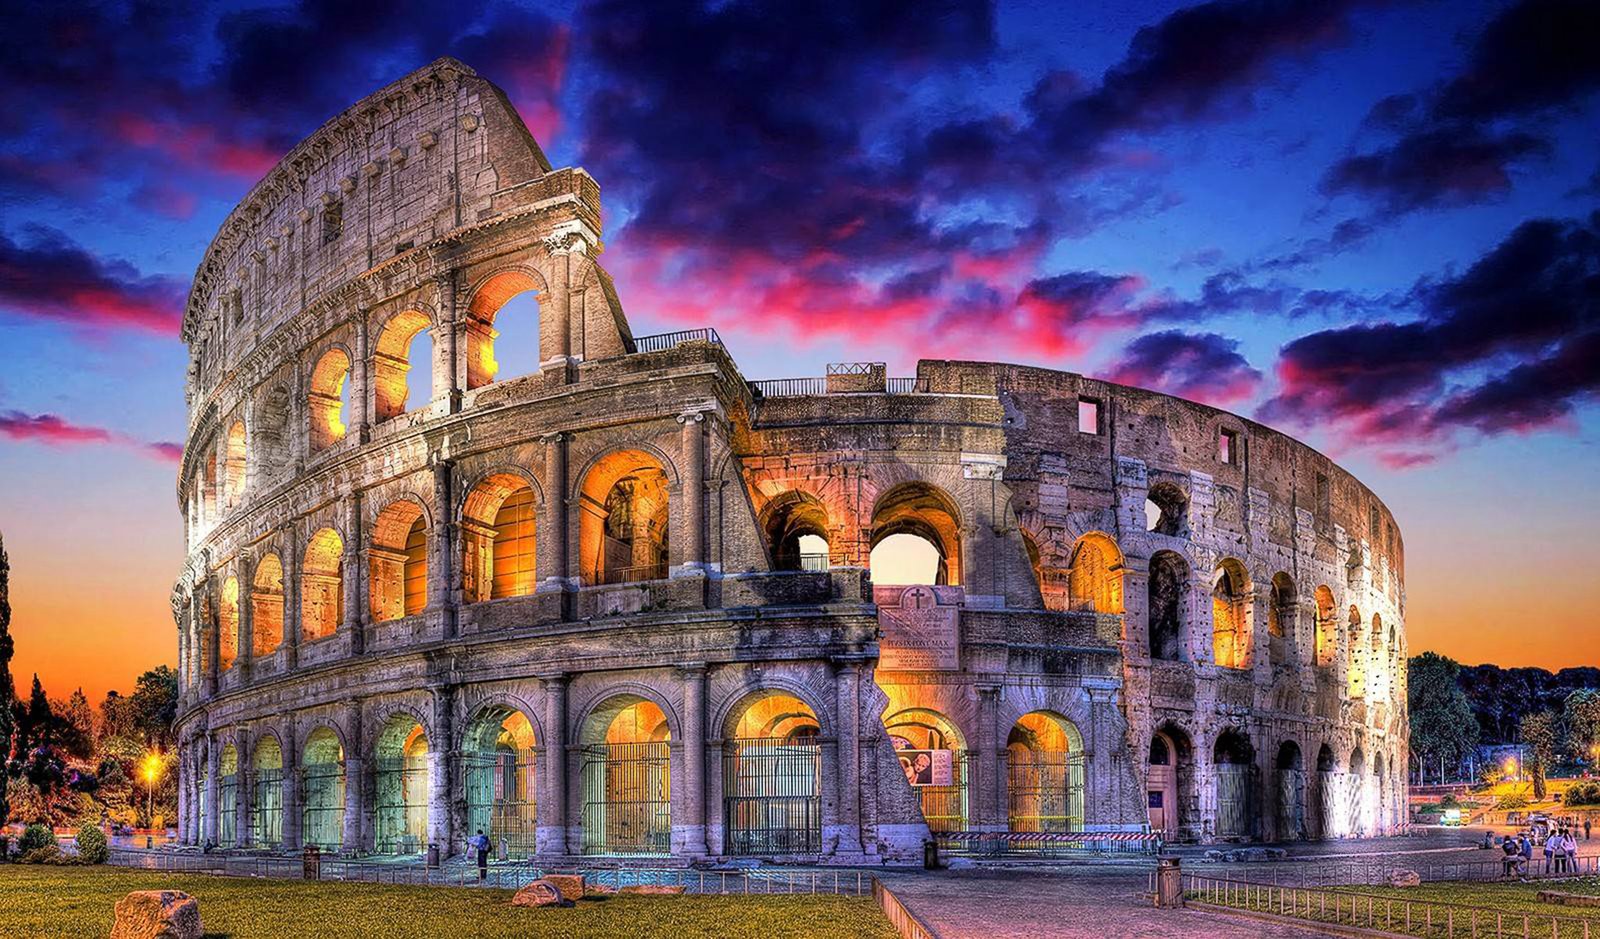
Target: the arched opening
pixel 772 770
pixel 234 475
pixel 497 539
pixel 1233 760
pixel 321 586
pixel 272 434
pixel 1169 575
pixel 227 797
pixel 323 784
pixel 1045 753
pixel 498 771
pixel 623 526
pixel 329 399
pixel 915 537
pixel 266 606
pixel 398 581
pixel 1095 579
pixel 627 779
pixel 266 804
pixel 1380 815
pixel 933 755
pixel 1329 791
pixel 796 524
pixel 1358 658
pixel 1291 792
pixel 208 492
pixel 1166 509
pixel 1170 784
pixel 1356 795
pixel 1327 628
pixel 394 388
pixel 1230 615
pixel 503 329
pixel 228 625
pixel 1282 617
pixel 400 814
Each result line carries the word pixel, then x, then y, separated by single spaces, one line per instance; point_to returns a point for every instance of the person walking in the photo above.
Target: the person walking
pixel 480 844
pixel 1570 844
pixel 1586 829
pixel 1550 841
pixel 1525 843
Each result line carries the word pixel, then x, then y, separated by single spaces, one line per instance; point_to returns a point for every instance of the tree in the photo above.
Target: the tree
pixel 155 705
pixel 7 689
pixel 1581 715
pixel 1443 728
pixel 76 712
pixel 1541 733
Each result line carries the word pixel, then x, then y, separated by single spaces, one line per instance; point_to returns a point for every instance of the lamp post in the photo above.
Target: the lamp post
pixel 151 770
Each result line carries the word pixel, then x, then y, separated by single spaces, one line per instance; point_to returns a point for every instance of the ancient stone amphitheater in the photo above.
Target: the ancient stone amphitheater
pixel 625 604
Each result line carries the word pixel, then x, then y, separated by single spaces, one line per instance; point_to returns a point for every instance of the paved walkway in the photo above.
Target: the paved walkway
pixel 1098 902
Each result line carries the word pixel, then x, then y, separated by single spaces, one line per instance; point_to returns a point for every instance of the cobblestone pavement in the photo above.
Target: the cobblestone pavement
pixel 1099 901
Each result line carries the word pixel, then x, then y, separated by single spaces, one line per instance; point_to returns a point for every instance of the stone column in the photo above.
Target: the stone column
pixel 244 790
pixel 441 751
pixel 183 796
pixel 292 814
pixel 984 786
pixel 247 642
pixel 361 382
pixel 692 455
pixel 441 563
pixel 354 781
pixel 291 600
pixel 213 789
pixel 847 682
pixel 551 807
pixel 354 577
pixel 446 367
pixel 692 832
pixel 555 306
pixel 551 558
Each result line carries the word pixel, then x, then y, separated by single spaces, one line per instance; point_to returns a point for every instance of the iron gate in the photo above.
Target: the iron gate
pixel 1236 809
pixel 228 811
pixel 324 805
pixel 945 807
pixel 267 808
pixel 401 810
pixel 772 796
pixel 1046 791
pixel 501 799
pixel 627 798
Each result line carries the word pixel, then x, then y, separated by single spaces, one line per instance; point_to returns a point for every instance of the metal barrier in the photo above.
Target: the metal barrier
pixel 788 387
pixel 1375 871
pixel 903 920
pixel 1408 916
pixel 661 341
pixel 1014 844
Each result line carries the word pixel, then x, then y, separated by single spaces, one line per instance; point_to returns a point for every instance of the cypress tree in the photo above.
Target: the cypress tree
pixel 7 691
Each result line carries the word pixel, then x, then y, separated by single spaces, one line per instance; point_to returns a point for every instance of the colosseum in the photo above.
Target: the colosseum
pixel 626 604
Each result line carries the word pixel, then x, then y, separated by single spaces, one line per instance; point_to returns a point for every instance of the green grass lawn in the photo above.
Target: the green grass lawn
pixel 67 901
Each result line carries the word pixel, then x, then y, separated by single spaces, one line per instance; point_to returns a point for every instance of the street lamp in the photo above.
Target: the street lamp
pixel 150 769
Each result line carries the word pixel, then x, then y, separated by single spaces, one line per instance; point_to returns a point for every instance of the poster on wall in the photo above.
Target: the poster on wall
pixel 926 767
pixel 919 628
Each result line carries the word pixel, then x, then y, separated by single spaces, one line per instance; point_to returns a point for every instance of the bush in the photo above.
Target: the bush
pixel 36 836
pixel 49 854
pixel 1582 793
pixel 1511 802
pixel 92 847
pixel 1449 802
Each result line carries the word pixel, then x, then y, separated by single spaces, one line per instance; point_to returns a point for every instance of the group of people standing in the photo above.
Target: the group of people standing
pixel 1560 851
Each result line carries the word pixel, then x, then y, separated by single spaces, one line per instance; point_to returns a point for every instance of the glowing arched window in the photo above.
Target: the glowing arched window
pixel 623 528
pixel 329 399
pixel 1046 765
pixel 208 491
pixel 266 606
pixel 1327 636
pixel 1230 615
pixel 398 581
pixel 228 625
pixel 321 586
pixel 1096 578
pixel 509 301
pixel 236 465
pixel 915 537
pixel 498 545
pixel 395 371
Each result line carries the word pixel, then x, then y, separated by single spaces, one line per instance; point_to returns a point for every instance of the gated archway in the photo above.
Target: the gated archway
pixel 772 769
pixel 1046 778
pixel 627 778
pixel 1234 769
pixel 498 778
pixel 323 785
pixel 400 813
pixel 1291 793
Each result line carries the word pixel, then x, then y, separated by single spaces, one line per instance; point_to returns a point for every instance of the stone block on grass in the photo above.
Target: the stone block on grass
pixel 157 914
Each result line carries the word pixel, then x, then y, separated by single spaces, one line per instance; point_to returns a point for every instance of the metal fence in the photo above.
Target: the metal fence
pixel 788 387
pixel 627 798
pixel 1405 915
pixel 1013 844
pixel 660 341
pixel 1046 791
pixel 1375 871
pixel 773 799
pixel 906 386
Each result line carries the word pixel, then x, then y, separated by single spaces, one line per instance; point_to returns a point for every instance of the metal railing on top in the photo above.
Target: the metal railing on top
pixel 660 341
pixel 906 386
pixel 798 387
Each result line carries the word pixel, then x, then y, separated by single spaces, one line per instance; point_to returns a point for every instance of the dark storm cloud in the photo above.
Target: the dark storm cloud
pixel 1509 344
pixel 48 276
pixel 1203 366
pixel 1461 142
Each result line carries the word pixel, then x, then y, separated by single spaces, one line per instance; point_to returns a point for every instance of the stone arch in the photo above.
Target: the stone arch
pixel 915 729
pixel 1356 795
pixel 237 463
pixel 1289 780
pixel 271 432
pixel 725 717
pixel 322 785
pixel 321 585
pixel 499 774
pixel 327 397
pixel 624 517
pixel 926 512
pixel 401 752
pixel 397 579
pixel 1231 620
pixel 626 778
pixel 1096 574
pixel 601 707
pixel 228 624
pixel 1167 586
pixel 1045 757
pixel 1166 509
pixel 266 605
pixel 486 298
pixel 499 524
pixel 1327 642
pixel 1234 774
pixel 229 778
pixel 794 521
pixel 1170 782
pixel 391 362
pixel 266 798
pixel 772 768
pixel 1283 618
pixel 208 491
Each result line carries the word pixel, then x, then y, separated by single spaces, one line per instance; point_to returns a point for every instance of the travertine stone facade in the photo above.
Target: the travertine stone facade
pixel 587 607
